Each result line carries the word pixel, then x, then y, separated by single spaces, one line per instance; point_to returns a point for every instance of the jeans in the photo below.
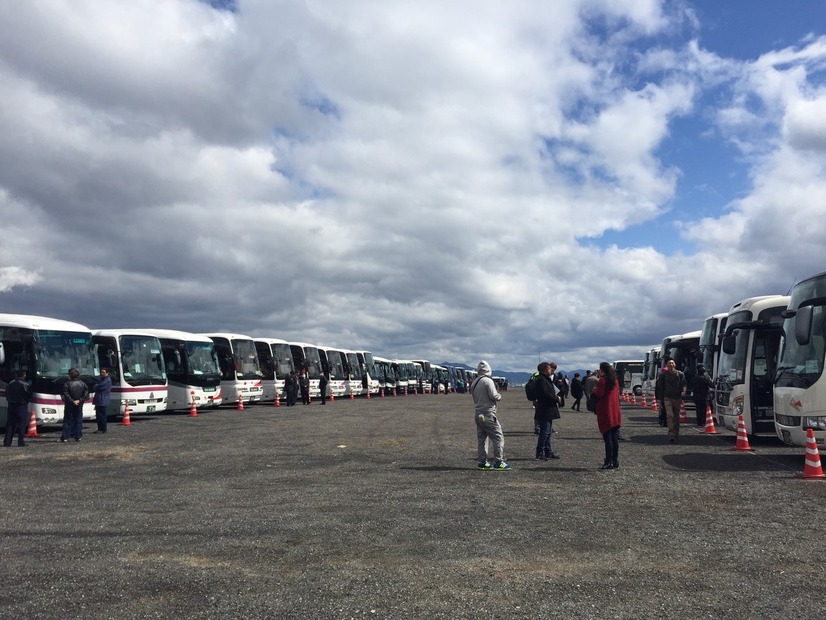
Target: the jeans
pixel 72 421
pixel 611 438
pixel 543 444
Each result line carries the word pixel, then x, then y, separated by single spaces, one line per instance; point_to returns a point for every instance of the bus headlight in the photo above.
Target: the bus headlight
pixel 816 424
pixel 737 407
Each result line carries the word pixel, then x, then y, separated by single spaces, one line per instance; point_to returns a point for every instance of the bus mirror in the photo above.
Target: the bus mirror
pixel 803 325
pixel 729 345
pixel 2 354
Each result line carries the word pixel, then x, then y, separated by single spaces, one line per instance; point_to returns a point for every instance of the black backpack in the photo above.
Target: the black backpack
pixel 530 389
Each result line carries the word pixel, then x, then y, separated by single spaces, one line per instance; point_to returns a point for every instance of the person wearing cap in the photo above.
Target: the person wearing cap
pixel 485 396
pixel 701 386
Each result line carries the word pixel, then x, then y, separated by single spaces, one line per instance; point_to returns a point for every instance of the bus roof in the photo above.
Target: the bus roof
pixel 174 334
pixel 31 321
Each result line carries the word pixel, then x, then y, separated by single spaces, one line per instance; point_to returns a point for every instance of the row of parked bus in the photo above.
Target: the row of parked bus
pixel 765 356
pixel 155 370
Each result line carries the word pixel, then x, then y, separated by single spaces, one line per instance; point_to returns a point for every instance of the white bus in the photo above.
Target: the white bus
pixel 711 337
pixel 241 377
pixel 402 376
pixel 276 362
pixel 387 377
pixel 192 369
pixel 799 383
pixel 368 368
pixel 651 370
pixel 334 364
pixel 46 349
pixel 136 368
pixel 684 349
pixel 748 359
pixel 629 374
pixel 307 356
pixel 427 376
pixel 355 375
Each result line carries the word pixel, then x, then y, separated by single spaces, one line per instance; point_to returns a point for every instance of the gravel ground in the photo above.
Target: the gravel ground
pixel 374 509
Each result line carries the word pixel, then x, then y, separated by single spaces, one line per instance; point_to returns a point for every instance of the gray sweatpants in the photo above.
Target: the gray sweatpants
pixel 488 427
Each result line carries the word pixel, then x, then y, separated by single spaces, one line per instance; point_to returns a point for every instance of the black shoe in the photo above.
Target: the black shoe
pixel 78 439
pixel 541 457
pixel 621 438
pixel 607 465
pixel 21 444
pixel 552 455
pixel 63 440
pixel 616 464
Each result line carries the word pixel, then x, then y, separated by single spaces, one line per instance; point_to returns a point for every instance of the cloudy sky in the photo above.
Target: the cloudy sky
pixel 571 180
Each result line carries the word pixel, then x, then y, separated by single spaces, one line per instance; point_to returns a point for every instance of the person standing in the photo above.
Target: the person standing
pixel 18 396
pixel 322 386
pixel 576 391
pixel 701 386
pixel 291 388
pixel 488 429
pixel 75 393
pixel 672 387
pixel 609 413
pixel 304 386
pixel 591 380
pixel 547 410
pixel 103 392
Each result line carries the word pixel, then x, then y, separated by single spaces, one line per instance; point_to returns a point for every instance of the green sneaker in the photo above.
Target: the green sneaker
pixel 500 466
pixel 483 465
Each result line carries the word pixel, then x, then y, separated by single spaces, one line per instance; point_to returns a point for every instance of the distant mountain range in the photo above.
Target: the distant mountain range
pixel 514 378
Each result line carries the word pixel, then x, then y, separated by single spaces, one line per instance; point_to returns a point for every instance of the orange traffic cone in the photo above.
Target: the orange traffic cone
pixel 811 468
pixel 633 399
pixel 654 406
pixel 742 437
pixel 683 416
pixel 381 393
pixel 127 421
pixel 240 403
pixel 368 393
pixel 277 402
pixel 193 409
pixel 709 428
pixel 32 430
pixel 351 395
pixel 644 403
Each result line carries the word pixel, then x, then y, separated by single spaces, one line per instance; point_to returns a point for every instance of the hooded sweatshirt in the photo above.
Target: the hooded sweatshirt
pixel 483 390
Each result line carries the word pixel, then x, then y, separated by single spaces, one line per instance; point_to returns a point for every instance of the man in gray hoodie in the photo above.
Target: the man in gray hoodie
pixel 485 397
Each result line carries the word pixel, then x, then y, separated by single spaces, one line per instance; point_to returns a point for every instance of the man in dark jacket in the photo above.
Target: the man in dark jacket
pixel 18 395
pixel 701 386
pixel 576 391
pixel 103 392
pixel 304 386
pixel 547 410
pixel 75 393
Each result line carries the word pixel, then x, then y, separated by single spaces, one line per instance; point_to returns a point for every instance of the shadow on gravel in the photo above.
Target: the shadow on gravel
pixel 686 439
pixel 640 418
pixel 732 461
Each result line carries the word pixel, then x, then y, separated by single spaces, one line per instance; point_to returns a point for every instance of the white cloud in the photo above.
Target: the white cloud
pixel 412 178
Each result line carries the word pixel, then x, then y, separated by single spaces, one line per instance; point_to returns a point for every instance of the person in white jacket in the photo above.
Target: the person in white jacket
pixel 485 397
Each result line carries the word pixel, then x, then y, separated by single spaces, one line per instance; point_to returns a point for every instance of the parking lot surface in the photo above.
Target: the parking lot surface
pixel 375 509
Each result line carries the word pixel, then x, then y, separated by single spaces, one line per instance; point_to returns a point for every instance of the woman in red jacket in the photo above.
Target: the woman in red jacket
pixel 609 414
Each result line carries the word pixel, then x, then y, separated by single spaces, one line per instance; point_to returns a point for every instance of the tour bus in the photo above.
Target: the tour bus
pixel 651 370
pixel 710 338
pixel 355 374
pixel 307 356
pixel 241 376
pixel 629 374
pixel 368 366
pixel 387 378
pixel 427 376
pixel 402 376
pixel 799 383
pixel 136 368
pixel 46 349
pixel 333 363
pixel 276 362
pixel 192 369
pixel 748 359
pixel 685 351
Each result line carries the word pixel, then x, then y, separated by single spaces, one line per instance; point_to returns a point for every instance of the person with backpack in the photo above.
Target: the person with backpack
pixel 485 396
pixel 547 410
pixel 530 393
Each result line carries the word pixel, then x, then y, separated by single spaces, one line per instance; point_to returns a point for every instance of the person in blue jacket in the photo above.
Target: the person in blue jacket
pixel 103 392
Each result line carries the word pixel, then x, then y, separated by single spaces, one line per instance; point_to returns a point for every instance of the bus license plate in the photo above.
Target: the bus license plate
pixel 150 408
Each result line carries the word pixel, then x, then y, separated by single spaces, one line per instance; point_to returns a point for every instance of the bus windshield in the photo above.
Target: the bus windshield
pixel 283 359
pixel 202 358
pixel 58 351
pixel 801 365
pixel 732 366
pixel 245 358
pixel 142 360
